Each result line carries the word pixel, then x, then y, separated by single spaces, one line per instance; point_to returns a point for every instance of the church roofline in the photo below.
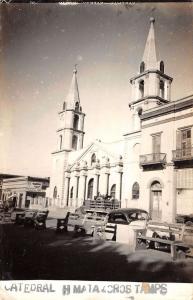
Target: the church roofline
pixel 151 71
pixel 172 107
pixel 132 132
pixel 149 97
pixel 95 143
pixel 63 150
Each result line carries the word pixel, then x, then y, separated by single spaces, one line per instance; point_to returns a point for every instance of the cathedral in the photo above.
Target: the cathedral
pixel 151 167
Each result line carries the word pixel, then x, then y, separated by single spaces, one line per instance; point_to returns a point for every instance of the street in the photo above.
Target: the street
pixel 27 254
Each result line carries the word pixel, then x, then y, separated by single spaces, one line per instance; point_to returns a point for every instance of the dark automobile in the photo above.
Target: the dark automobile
pixel 185 219
pixel 127 215
pixel 121 222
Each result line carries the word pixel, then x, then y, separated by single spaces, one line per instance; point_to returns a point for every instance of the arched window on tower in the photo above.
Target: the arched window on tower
pixel 162 66
pixel 64 105
pixel 76 106
pixel 139 111
pixel 55 192
pixel 142 67
pixel 135 191
pixel 161 87
pixel 74 142
pixel 90 188
pixel 60 142
pixel 75 123
pixel 113 191
pixel 93 158
pixel 80 108
pixel 141 88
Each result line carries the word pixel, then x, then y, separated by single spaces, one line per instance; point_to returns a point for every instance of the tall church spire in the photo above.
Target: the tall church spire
pixel 149 56
pixel 73 94
pixel 151 86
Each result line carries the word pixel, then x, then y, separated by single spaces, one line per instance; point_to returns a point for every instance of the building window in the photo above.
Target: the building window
pixel 156 143
pixel 162 66
pixel 90 188
pixel 93 158
pixel 141 88
pixel 60 142
pixel 139 111
pixel 75 123
pixel 135 191
pixel 71 192
pixel 184 141
pixel 74 142
pixel 64 105
pixel 161 88
pixel 55 192
pixel 113 191
pixel 142 67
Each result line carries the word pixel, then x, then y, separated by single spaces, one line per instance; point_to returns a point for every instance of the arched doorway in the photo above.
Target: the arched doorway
pixel 113 191
pixel 156 201
pixel 90 188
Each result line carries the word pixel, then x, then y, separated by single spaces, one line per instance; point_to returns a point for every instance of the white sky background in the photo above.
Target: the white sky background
pixel 41 44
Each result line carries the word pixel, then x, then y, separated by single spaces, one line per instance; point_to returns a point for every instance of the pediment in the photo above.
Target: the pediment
pixel 103 152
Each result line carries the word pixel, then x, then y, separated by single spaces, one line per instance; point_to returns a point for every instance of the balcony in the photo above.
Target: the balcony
pixel 153 160
pixel 183 155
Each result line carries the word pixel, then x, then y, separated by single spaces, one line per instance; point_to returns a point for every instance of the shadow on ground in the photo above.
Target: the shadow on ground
pixel 28 254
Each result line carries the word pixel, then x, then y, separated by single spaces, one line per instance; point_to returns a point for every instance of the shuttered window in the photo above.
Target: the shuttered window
pixel 183 141
pixel 156 143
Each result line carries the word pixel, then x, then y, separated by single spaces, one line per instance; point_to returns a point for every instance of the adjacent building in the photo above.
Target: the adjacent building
pixel 24 191
pixel 151 167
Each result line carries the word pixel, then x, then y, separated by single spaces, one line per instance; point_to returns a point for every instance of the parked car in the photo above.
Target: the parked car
pixel 185 219
pixel 39 220
pixel 121 224
pixel 84 220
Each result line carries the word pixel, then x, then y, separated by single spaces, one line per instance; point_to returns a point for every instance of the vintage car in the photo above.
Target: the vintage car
pixel 185 219
pixel 122 223
pixel 84 221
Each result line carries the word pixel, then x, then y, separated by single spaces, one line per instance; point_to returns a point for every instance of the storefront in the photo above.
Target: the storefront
pixel 25 192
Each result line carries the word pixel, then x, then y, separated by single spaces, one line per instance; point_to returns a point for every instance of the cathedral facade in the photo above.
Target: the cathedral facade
pixel 151 167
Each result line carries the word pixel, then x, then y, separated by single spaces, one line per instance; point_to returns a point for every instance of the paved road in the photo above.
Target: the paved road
pixel 27 253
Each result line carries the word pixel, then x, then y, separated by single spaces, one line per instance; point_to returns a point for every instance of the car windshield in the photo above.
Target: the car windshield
pixel 136 216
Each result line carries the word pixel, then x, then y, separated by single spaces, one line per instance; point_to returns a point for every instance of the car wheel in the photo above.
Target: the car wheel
pixel 189 223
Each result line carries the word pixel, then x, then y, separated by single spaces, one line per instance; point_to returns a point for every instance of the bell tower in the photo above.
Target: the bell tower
pixel 151 87
pixel 70 137
pixel 70 133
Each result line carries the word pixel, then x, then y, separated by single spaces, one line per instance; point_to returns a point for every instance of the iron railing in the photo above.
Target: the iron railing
pixel 183 154
pixel 153 158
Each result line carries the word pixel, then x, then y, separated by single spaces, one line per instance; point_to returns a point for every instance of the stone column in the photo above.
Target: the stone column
pixel 66 188
pixel 85 185
pixel 76 190
pixel 104 179
pixel 96 181
pixel 119 168
pixel 82 182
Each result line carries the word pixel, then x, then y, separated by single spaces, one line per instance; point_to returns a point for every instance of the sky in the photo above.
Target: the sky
pixel 39 45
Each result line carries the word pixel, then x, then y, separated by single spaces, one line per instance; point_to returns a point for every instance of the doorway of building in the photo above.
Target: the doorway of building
pixel 156 201
pixel 90 189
